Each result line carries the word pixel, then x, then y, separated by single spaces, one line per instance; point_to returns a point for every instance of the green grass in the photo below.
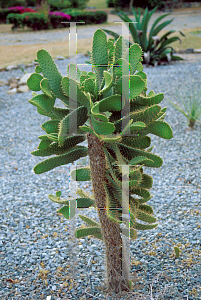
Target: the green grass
pixel 99 4
pixel 196 32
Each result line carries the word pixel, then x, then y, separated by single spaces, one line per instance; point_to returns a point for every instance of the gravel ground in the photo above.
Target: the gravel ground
pixel 35 245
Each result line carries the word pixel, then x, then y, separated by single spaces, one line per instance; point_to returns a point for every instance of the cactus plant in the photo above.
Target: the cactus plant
pixel 99 105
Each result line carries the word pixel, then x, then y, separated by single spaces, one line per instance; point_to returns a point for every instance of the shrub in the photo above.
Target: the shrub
pixel 14 9
pixel 110 3
pixel 57 17
pixel 58 5
pixel 89 17
pixel 155 49
pixel 39 21
pixel 191 102
pixel 32 20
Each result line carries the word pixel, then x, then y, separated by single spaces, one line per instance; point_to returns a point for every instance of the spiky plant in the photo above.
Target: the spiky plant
pixel 99 105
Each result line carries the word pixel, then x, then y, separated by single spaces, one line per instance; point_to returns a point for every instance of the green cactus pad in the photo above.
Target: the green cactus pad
pixel 43 102
pixel 99 47
pixel 81 114
pixel 89 86
pixel 51 163
pixel 142 192
pixel 161 129
pixel 150 100
pixel 118 48
pixel 131 153
pixel 81 174
pixel 45 88
pixel 137 85
pixel 147 181
pixel 102 128
pixel 139 226
pixel 51 72
pixel 95 231
pixel 135 55
pixel 89 221
pixel 51 126
pixel 44 144
pixel 142 216
pixel 72 69
pixel 136 142
pixel 33 82
pixel 108 83
pixel 38 69
pixel 60 113
pixel 56 149
pixel 70 84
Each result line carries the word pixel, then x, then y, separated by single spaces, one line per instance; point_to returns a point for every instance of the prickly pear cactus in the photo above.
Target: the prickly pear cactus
pixel 99 105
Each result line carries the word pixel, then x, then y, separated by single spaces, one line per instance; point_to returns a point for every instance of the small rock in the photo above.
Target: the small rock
pixel 24 78
pixel 29 65
pixel 59 57
pixel 13 85
pixel 23 89
pixel 35 63
pixel 3 82
pixel 181 51
pixel 12 80
pixel 189 50
pixel 12 67
pixel 13 91
pixel 197 50
pixel 2 69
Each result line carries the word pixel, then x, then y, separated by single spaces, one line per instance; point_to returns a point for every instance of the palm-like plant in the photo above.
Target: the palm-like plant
pixel 155 49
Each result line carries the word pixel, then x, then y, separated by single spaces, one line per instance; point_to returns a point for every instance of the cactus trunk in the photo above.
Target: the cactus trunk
pixel 117 273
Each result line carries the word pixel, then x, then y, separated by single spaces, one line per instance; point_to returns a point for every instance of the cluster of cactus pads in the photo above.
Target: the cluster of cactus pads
pixel 98 113
pixel 146 114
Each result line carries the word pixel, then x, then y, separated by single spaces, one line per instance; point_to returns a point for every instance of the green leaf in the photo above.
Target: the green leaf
pixel 161 129
pixel 58 194
pixel 73 69
pixel 50 126
pixel 43 102
pixel 139 159
pixel 81 174
pixel 103 128
pixel 108 83
pixel 89 221
pixel 69 85
pixel 51 163
pixel 95 231
pixel 137 85
pixel 45 88
pixel 70 119
pixel 99 47
pixel 54 148
pixel 33 82
pixel 135 54
pixel 51 72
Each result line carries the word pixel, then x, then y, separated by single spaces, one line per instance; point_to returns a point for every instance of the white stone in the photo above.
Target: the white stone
pixel 23 89
pixel 59 57
pixel 23 79
pixel 13 91
pixel 3 82
pixel 11 67
pixel 197 50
